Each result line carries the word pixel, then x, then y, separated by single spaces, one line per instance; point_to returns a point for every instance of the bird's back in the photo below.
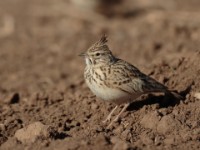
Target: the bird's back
pixel 132 74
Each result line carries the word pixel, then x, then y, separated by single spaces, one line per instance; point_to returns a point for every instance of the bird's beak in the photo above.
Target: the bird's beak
pixel 82 54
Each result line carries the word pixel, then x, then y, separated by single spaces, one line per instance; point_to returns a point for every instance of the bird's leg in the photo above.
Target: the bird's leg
pixel 110 114
pixel 117 117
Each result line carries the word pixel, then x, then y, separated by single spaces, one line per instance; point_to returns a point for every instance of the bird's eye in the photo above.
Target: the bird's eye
pixel 97 54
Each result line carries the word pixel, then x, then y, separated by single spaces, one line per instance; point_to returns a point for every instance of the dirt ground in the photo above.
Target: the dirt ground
pixel 44 101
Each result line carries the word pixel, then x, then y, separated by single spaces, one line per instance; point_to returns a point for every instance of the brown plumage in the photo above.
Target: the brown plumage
pixel 116 80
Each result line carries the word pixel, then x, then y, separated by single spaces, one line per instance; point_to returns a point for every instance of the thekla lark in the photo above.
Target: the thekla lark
pixel 115 80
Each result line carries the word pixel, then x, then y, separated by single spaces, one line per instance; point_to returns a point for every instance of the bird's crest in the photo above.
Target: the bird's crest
pixel 101 44
pixel 103 39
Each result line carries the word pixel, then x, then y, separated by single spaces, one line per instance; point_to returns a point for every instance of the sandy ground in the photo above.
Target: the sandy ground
pixel 44 102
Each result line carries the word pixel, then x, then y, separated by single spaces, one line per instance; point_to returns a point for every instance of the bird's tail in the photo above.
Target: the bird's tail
pixel 175 94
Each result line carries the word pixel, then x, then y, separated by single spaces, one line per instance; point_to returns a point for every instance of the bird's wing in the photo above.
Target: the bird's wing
pixel 130 79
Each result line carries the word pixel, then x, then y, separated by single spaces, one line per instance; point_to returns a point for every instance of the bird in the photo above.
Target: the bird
pixel 115 80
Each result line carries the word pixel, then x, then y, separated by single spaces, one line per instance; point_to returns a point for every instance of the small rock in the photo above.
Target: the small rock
pixel 94 106
pixel 119 144
pixel 10 143
pixel 155 107
pixel 31 133
pixel 166 124
pixel 2 127
pixel 125 133
pixel 164 111
pixel 146 139
pixel 197 95
pixel 118 130
pixel 169 141
pixel 175 112
pixel 150 120
pixel 186 137
pixel 101 139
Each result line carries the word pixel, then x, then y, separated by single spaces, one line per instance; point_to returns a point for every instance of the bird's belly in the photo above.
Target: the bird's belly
pixel 110 94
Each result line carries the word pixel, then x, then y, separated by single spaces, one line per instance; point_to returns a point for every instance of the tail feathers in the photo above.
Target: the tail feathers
pixel 175 94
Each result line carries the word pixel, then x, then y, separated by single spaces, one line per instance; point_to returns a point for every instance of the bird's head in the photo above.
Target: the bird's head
pixel 98 53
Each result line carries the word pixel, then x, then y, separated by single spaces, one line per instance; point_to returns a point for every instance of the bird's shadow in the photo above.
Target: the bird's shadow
pixel 163 101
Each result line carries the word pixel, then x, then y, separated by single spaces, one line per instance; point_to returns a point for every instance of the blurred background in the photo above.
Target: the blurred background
pixel 41 74
pixel 40 40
